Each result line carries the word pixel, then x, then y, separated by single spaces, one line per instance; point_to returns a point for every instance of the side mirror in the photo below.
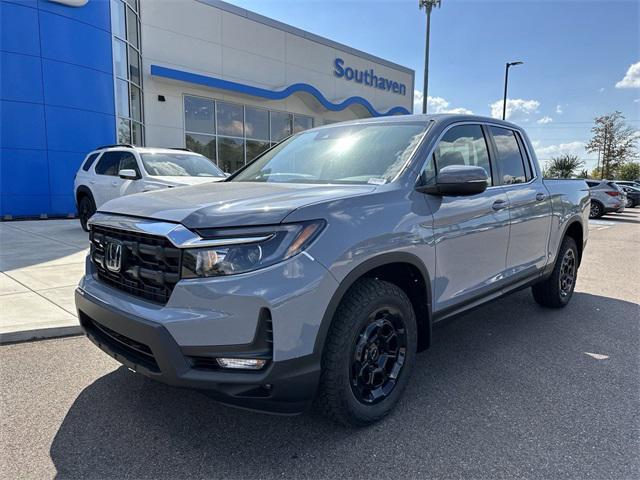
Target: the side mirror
pixel 456 180
pixel 128 174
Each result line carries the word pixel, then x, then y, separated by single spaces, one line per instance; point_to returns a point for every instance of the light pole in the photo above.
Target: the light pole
pixel 506 80
pixel 428 6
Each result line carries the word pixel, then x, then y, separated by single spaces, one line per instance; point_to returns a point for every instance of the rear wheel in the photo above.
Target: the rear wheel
pixel 596 210
pixel 86 208
pixel 369 354
pixel 557 290
pixel 629 203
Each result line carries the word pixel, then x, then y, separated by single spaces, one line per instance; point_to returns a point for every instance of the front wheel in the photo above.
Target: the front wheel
pixel 86 209
pixel 369 354
pixel 557 290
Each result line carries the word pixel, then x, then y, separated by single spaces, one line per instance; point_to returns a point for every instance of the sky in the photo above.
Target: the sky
pixel 581 58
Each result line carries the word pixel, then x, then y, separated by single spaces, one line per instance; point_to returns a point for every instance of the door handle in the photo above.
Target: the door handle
pixel 540 197
pixel 92 182
pixel 499 205
pixel 115 184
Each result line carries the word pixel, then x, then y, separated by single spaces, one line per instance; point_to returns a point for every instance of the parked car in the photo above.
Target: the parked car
pixel 629 183
pixel 633 195
pixel 606 197
pixel 113 171
pixel 317 271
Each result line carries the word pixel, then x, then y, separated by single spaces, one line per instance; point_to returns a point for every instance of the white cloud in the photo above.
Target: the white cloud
pixel 637 100
pixel 436 105
pixel 601 89
pixel 570 148
pixel 559 109
pixel 631 78
pixel 518 109
pixel 544 120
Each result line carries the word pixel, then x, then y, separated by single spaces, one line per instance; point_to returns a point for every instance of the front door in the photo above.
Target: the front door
pixel 471 233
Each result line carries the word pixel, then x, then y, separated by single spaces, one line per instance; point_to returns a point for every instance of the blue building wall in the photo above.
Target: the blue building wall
pixel 56 100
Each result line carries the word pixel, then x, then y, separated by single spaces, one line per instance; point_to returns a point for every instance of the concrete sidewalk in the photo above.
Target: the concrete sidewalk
pixel 41 262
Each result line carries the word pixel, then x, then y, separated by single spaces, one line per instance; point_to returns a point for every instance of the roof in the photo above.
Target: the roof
pixel 227 7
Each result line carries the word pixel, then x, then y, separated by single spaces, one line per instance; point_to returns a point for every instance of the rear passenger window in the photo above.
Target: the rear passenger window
pixel 509 156
pixel 109 163
pixel 463 145
pixel 89 161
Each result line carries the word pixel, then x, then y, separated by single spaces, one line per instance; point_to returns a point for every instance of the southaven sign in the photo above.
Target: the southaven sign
pixel 367 77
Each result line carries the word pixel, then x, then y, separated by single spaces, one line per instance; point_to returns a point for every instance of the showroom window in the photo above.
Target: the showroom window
pixel 127 68
pixel 232 134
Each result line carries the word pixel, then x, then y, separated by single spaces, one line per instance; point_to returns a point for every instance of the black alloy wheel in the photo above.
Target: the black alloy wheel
pixel 567 273
pixel 378 356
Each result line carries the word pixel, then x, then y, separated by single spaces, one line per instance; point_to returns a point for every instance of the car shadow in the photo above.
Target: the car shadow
pixel 621 218
pixel 506 390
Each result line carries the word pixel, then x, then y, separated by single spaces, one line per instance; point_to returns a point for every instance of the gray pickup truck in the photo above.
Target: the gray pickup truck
pixel 315 273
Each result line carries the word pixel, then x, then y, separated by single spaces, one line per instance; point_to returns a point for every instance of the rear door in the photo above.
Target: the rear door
pixel 529 203
pixel 471 232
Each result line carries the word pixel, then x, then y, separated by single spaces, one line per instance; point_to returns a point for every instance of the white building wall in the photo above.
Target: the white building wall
pixel 197 37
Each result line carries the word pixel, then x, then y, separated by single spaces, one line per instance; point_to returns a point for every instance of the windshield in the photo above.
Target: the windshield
pixel 179 165
pixel 366 153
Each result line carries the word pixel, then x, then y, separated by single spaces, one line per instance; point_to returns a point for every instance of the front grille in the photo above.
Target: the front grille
pixel 149 267
pixel 135 352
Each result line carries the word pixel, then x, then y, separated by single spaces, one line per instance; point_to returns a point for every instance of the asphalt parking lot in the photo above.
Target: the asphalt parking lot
pixel 509 390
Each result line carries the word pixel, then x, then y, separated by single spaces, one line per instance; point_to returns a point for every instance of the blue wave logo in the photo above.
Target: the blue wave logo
pixel 214 82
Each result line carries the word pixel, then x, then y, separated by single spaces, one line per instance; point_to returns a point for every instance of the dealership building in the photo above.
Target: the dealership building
pixel 200 74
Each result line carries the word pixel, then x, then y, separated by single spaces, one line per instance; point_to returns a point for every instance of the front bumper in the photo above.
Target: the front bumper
pixel 146 347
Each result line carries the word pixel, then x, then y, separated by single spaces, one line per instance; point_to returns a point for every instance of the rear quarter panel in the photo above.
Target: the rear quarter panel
pixel 569 203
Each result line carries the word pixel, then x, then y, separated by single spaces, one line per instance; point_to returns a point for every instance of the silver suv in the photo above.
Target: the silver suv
pixel 606 197
pixel 317 271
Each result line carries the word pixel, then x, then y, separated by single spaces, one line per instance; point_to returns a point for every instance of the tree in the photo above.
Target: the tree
pixel 563 166
pixel 629 171
pixel 584 173
pixel 615 142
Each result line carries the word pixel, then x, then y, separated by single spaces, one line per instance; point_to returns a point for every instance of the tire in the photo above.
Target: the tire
pixel 86 208
pixel 596 210
pixel 368 313
pixel 557 290
pixel 629 203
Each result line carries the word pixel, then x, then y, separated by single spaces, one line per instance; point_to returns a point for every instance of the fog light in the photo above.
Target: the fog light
pixel 246 363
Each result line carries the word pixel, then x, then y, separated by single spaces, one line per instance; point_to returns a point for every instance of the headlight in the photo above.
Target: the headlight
pixel 241 254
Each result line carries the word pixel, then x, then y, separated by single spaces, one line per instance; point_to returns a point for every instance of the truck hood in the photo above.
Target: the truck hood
pixel 228 204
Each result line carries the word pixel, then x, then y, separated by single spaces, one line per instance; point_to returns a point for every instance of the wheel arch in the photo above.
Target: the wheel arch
pixel 84 191
pixel 415 282
pixel 575 230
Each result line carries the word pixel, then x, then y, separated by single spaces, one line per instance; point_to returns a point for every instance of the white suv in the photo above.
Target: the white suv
pixel 116 170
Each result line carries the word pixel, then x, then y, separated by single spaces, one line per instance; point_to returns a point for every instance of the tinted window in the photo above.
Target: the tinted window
pixel 199 115
pixel 89 161
pixel 128 162
pixel 463 145
pixel 256 123
pixel 109 163
pixel 592 184
pixel 280 126
pixel 527 164
pixel 509 157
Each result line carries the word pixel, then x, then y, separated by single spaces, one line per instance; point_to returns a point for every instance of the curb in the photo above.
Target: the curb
pixel 39 334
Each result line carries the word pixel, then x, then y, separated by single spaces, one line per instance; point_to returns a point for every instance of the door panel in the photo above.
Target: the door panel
pixel 471 237
pixel 530 214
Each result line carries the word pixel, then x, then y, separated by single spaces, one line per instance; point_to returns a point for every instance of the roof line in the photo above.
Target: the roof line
pixel 256 17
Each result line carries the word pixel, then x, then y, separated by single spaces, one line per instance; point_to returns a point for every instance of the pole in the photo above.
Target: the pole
pixel 504 100
pixel 425 88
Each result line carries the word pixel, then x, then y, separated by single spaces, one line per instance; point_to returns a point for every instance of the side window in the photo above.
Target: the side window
pixel 89 161
pixel 128 162
pixel 109 163
pixel 509 157
pixel 527 161
pixel 463 145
